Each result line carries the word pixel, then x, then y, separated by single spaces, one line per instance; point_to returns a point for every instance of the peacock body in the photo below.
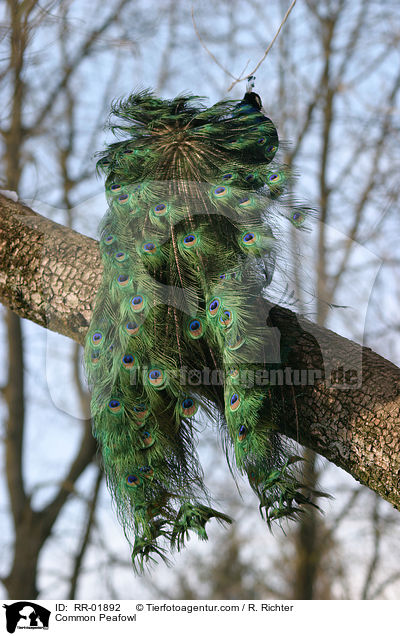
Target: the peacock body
pixel 188 247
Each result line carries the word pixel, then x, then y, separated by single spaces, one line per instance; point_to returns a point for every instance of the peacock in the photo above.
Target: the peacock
pixel 189 245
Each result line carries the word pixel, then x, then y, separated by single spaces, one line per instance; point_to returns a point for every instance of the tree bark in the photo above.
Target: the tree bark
pixel 332 395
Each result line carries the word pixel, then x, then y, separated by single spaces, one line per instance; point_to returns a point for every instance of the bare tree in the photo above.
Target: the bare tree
pixel 314 81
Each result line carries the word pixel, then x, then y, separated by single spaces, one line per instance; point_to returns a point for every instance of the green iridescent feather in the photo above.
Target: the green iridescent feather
pixel 193 199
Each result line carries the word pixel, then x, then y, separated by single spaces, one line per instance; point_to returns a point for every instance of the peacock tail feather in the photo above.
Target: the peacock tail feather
pixel 188 246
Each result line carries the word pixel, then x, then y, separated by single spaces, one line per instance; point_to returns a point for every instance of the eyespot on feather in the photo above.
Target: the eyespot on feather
pixel 214 306
pixel 95 357
pixel 147 472
pixel 160 209
pixel 128 361
pixel 249 238
pixel 123 198
pixel 196 328
pixel 97 338
pixel 298 218
pixel 156 378
pixel 189 241
pixel 138 303
pixel 132 481
pixel 132 328
pixel 141 411
pixel 242 433
pixel 245 202
pixel 114 406
pixel 220 191
pixel 123 280
pixel 120 257
pixel 149 248
pixel 147 439
pixel 226 318
pixel 234 402
pixel 188 407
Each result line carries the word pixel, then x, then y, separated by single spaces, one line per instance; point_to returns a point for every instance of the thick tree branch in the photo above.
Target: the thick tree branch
pixel 345 404
pixel 48 273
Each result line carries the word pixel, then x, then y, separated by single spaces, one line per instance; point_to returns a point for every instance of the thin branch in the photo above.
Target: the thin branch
pixel 207 50
pixel 241 78
pixel 86 536
pixel 269 47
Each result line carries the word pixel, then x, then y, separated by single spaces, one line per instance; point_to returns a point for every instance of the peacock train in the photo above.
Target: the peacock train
pixel 188 247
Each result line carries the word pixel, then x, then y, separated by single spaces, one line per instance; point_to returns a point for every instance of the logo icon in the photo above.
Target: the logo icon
pixel 26 615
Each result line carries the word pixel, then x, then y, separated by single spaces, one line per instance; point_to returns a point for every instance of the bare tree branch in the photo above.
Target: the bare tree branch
pixel 355 427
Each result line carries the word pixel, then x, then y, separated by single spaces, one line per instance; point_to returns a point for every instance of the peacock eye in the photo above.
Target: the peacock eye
pixel 249 178
pixel 244 201
pixel 116 187
pixel 249 238
pixel 123 198
pixel 271 148
pixel 128 152
pixel 109 239
pixel 146 471
pixel 95 356
pixel 242 433
pixel 156 378
pixel 220 191
pixel 140 408
pixel 188 407
pixel 214 306
pixel 261 141
pixel 128 361
pixel 273 177
pixel 132 328
pixel 97 337
pixel 147 439
pixel 234 402
pixel 120 256
pixel 123 279
pixel 160 209
pixel 149 248
pixel 132 480
pixel 195 328
pixel 190 240
pixel 114 406
pixel 137 303
pixel 227 176
pixel 226 318
pixel 298 218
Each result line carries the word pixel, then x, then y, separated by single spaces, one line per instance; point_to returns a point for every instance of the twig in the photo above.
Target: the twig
pixel 208 50
pixel 269 47
pixel 236 80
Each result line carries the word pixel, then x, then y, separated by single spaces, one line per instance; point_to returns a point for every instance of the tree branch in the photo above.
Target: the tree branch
pixel 50 274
